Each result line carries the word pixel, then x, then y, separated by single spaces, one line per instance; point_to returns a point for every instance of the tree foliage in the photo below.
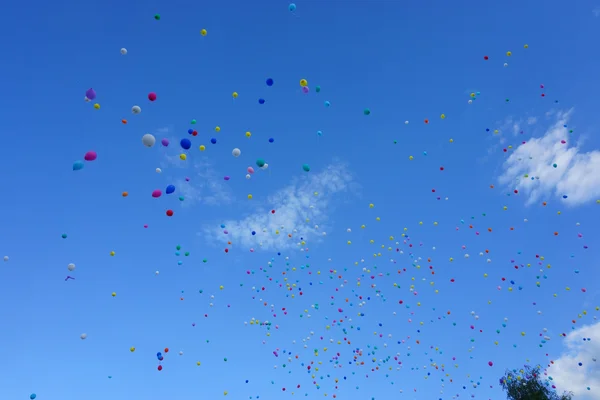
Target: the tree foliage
pixel 527 384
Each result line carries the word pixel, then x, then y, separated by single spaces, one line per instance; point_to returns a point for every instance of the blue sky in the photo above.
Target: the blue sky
pixel 403 61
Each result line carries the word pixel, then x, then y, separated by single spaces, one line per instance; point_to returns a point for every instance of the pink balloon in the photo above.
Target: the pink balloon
pixel 250 170
pixel 156 194
pixel 90 156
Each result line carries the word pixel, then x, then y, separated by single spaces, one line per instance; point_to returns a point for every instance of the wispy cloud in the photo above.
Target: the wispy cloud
pixel 205 185
pixel 566 372
pixel 301 212
pixel 530 168
pixel 596 11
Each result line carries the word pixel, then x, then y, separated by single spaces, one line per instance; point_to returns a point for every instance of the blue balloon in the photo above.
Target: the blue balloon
pixel 319 133
pixel 213 141
pixel 32 396
pixel 261 101
pixel 292 7
pixel 269 82
pixel 271 140
pixel 185 144
pixel 170 189
pixel 77 165
pixel 190 131
pixel 158 354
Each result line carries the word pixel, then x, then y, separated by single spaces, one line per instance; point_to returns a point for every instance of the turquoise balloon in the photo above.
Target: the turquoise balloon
pixel 306 167
pixel 77 165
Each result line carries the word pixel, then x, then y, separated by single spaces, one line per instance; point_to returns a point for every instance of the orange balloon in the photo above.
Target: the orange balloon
pixel 166 349
pixel 125 194
pixel 124 121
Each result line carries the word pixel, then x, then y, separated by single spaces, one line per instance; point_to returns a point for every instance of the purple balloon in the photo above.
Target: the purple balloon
pixel 90 94
pixel 165 142
pixel 156 193
pixel 227 178
pixel 187 178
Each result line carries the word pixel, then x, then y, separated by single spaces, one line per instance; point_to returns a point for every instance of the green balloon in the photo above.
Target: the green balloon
pixel 193 121
pixel 157 17
pixel 178 247
pixel 367 111
pixel 260 162
pixel 306 167
pixel 187 253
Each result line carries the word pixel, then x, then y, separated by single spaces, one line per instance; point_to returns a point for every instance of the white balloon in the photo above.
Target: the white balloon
pixel 181 353
pixel 157 272
pixel 470 102
pixel 148 140
pixel 158 170
pixel 136 109
pixel 71 267
pixel 405 122
pixel 505 64
pixel 265 166
pixel 236 152
pixel 5 258
pixel 248 176
pixel 123 51
pixel 83 336
pixel 86 99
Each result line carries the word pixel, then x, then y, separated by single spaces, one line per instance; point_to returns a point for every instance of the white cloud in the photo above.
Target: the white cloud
pixel 297 211
pixel 576 174
pixel 531 120
pixel 566 372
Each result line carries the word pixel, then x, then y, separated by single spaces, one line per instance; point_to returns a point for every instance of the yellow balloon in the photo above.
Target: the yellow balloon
pixel 411 158
pixel 202 147
pixel 112 253
pixel 218 129
pixel 303 82
pixel 526 46
pixel 451 140
pixel 198 363
pixel 113 294
pixel 221 287
pixel 472 94
pixel 249 197
pixel 132 349
pixel 97 106
pixel 183 157
pixel 508 53
pixel 248 134
pixel 203 32
pixel 443 116
pixel 235 95
pixel 371 205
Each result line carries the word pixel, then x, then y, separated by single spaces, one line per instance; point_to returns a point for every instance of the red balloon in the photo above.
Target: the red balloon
pixel 166 349
pixel 152 96
pixel 160 368
pixel 169 213
pixel 486 58
pixel 226 250
pixel 272 211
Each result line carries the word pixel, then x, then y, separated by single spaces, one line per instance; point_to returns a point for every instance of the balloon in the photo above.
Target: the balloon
pixel 317 89
pixel 97 106
pixel 5 258
pixel 158 170
pixel 261 101
pixel 235 95
pixel 83 336
pixel 71 267
pixel 136 109
pixel 90 94
pixel 270 82
pixel 367 111
pixel 151 96
pixel 170 189
pixel 260 162
pixel 213 141
pixel 306 167
pixel 156 194
pixel 90 156
pixel 157 17
pixel 64 235
pixel 236 152
pixel 305 89
pixel 185 144
pixel 169 213
pixel 303 82
pixel 327 104
pixel 77 165
pixel 250 170
pixel 271 140
pixel 32 396
pixel 203 32
pixel 292 7
pixel 148 140
pixel 226 178
pixel 124 51
pixel 165 142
